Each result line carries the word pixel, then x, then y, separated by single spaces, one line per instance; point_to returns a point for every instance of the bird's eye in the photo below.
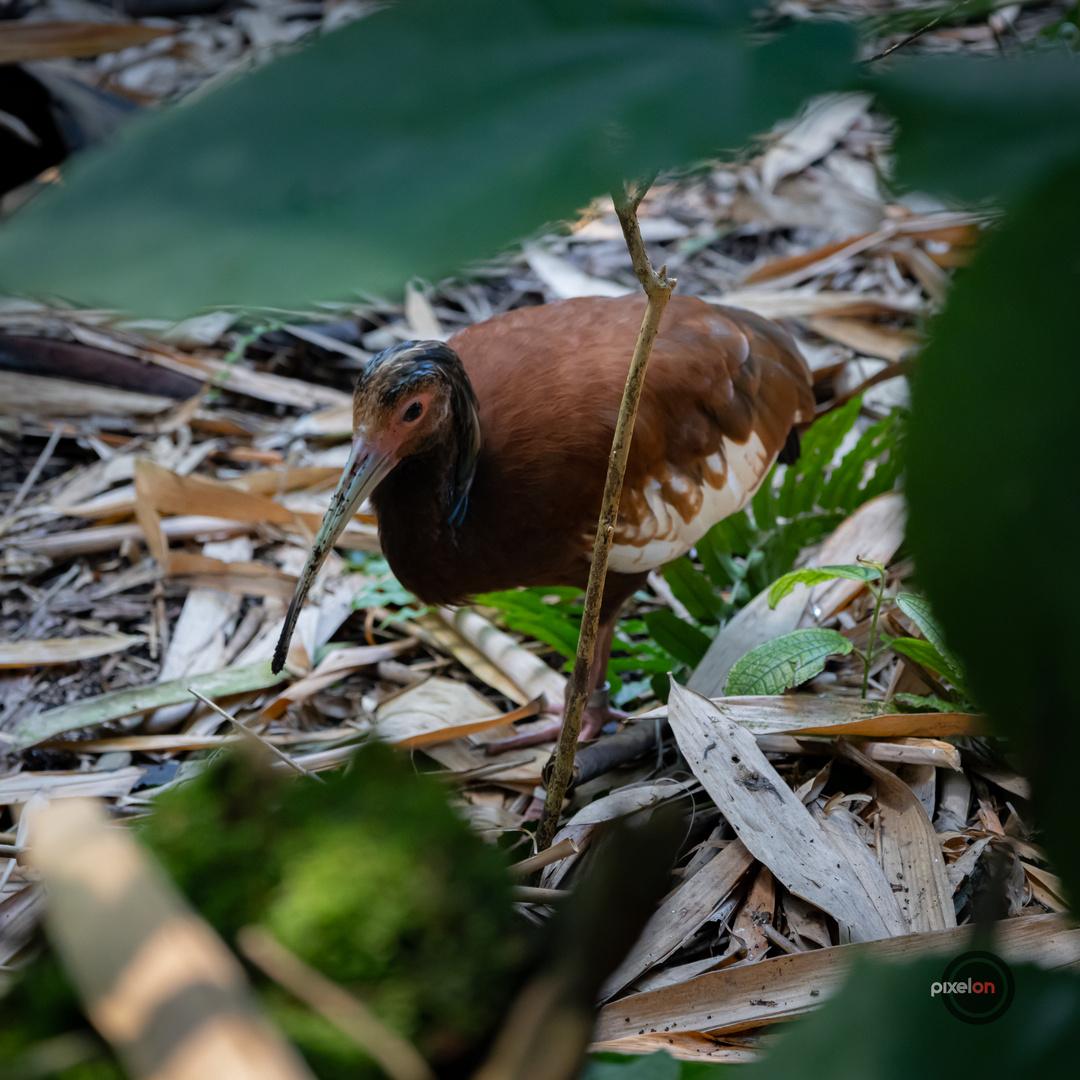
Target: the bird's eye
pixel 413 412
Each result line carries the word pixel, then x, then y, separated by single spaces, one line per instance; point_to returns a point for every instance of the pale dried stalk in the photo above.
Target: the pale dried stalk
pixel 276 751
pixel 562 850
pixel 530 894
pixel 35 472
pixel 658 289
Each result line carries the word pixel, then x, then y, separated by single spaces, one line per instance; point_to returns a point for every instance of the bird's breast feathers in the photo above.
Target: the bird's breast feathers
pixel 672 510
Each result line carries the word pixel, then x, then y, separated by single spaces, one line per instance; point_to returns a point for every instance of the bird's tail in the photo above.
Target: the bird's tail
pixel 791 449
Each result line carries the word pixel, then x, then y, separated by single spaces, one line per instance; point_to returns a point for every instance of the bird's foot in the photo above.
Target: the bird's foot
pixel 598 713
pixel 596 716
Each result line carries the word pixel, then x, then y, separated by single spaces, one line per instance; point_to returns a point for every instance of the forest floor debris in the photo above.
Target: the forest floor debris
pixel 159 484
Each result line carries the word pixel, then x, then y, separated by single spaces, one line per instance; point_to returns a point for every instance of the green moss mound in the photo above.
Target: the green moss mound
pixel 44 1033
pixel 370 877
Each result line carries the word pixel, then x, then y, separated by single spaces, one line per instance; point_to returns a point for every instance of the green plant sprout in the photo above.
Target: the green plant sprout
pixel 794 658
pixel 241 342
pixel 381 589
pixel 878 590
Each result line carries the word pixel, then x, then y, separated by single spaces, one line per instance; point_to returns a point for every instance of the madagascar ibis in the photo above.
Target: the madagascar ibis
pixel 485 457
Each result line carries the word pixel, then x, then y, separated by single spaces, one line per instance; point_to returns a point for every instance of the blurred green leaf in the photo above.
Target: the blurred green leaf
pixel 926 703
pixel 786 661
pixel 976 127
pixel 848 485
pixel 1065 30
pixel 815 575
pixel 382 588
pixel 549 615
pixel 884 1025
pixel 923 652
pixel 43 1015
pixel 371 877
pixel 408 143
pixel 658 1066
pixel 917 608
pixel 694 591
pixel 994 481
pixel 683 641
pixel 805 480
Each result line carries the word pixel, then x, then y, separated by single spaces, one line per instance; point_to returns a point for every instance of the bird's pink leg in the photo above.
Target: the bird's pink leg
pixel 598 711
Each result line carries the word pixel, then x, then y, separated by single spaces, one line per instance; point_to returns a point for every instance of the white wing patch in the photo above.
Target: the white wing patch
pixel 732 477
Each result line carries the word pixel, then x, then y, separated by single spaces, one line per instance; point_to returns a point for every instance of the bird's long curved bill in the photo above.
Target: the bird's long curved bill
pixel 368 464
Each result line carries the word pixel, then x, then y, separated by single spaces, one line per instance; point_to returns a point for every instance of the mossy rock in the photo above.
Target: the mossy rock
pixel 370 877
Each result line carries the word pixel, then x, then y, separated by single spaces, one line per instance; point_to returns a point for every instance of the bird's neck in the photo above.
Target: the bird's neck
pixel 463 445
pixel 416 494
pixel 422 507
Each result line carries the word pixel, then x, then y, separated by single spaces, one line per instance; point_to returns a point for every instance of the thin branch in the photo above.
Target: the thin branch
pixel 658 289
pixel 918 33
pixel 891 370
pixel 35 472
pixel 276 751
pixel 398 1058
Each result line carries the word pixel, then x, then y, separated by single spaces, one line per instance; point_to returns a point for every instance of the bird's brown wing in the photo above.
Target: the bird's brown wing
pixel 724 390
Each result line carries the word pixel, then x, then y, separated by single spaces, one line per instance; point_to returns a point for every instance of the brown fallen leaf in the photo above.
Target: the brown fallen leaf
pixel 333 669
pixel 683 1046
pixel 682 914
pixel 21 42
pixel 739 998
pixel 755 914
pixel 871 339
pixel 806 921
pixel 911 854
pixel 473 727
pixel 23 395
pixel 767 815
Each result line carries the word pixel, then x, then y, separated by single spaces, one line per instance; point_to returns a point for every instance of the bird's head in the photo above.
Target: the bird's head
pixel 412 399
pixel 407 400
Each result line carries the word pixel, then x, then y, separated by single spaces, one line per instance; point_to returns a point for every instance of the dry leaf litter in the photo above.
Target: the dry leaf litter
pixel 159 484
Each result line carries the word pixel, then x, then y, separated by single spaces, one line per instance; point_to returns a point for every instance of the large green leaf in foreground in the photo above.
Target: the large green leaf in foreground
pixel 994 490
pixel 978 127
pixel 885 1025
pixel 409 143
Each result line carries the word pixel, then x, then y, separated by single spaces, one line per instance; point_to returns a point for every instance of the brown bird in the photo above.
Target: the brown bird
pixel 485 457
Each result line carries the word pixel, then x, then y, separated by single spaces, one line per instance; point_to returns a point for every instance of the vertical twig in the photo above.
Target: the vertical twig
pixel 658 289
pixel 879 596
